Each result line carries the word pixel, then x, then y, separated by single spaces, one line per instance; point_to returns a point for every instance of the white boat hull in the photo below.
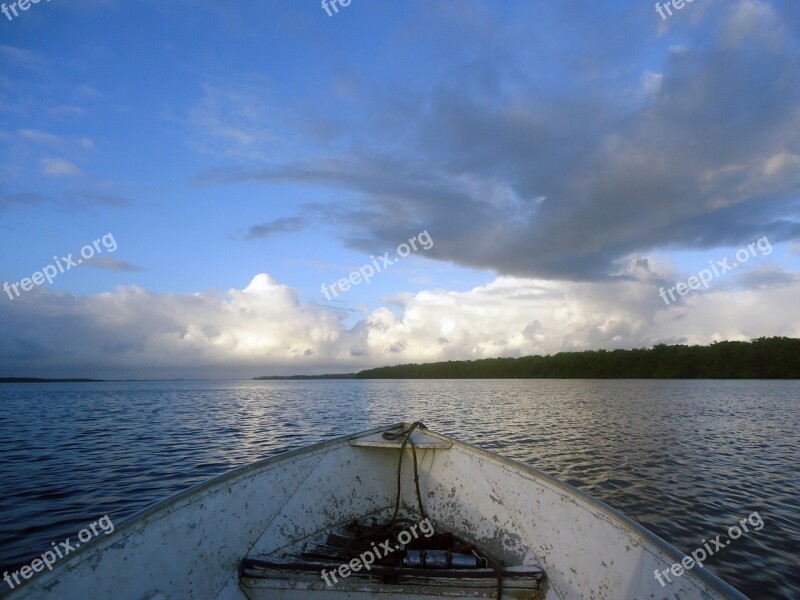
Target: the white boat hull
pixel 192 546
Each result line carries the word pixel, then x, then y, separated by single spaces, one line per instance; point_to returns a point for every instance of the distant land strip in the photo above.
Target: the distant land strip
pixel 762 358
pixel 40 380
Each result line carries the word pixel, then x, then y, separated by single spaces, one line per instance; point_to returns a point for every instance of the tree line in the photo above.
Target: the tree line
pixel 762 358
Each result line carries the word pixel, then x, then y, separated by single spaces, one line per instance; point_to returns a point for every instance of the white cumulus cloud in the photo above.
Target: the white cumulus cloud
pixel 265 329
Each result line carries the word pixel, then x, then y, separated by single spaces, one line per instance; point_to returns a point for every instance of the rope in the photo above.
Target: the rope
pixel 362 531
pixel 405 434
pixel 498 568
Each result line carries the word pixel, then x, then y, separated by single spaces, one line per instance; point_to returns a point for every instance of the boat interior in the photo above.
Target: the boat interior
pixel 395 553
pixel 367 558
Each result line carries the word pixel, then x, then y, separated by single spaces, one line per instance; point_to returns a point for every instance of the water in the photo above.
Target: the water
pixel 687 459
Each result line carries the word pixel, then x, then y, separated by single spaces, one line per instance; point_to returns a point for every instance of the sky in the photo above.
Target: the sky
pixel 544 176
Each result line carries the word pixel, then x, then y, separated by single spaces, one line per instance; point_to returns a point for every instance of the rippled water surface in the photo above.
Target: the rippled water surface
pixel 687 459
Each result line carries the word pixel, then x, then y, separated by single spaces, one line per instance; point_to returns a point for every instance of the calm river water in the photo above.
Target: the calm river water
pixel 687 459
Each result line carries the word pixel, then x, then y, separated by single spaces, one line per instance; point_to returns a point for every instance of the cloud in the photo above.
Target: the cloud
pixel 42 137
pixel 284 225
pixel 232 123
pixel 58 167
pixel 113 264
pixel 56 142
pixel 21 57
pixel 87 92
pixel 23 200
pixel 83 199
pixel 264 328
pixel 651 84
pixel 571 181
pixel 783 163
pixel 72 200
pixel 750 19
pixel 133 330
pixel 65 112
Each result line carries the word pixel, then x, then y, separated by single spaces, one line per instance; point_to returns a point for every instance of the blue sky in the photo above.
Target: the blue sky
pixel 568 160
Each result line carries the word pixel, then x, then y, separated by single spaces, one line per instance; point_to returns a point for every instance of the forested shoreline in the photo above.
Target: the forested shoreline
pixel 762 358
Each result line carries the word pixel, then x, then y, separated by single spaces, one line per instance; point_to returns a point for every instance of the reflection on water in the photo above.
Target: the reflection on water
pixel 687 459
